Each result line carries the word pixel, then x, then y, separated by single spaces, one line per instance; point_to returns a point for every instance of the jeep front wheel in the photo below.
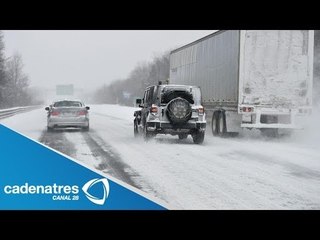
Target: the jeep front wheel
pixel 183 136
pixel 135 129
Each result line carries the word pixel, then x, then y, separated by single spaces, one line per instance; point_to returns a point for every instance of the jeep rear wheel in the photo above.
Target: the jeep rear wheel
pixel 198 137
pixel 147 135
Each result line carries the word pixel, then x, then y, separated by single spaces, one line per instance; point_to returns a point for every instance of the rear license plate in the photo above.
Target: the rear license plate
pixel 69 114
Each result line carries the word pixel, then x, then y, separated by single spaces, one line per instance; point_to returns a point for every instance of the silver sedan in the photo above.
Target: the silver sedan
pixel 68 113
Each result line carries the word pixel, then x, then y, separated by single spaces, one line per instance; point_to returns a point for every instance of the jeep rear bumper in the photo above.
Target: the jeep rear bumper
pixel 166 127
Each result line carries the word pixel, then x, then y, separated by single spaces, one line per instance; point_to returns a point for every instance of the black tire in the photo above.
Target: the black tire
pixel 86 129
pixel 135 129
pixel 179 111
pixel 269 132
pixel 170 95
pixel 146 134
pixel 183 136
pixel 214 123
pixel 222 124
pixel 198 137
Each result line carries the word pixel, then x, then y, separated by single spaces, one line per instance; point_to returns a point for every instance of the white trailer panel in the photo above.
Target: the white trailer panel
pixel 212 63
pixel 276 68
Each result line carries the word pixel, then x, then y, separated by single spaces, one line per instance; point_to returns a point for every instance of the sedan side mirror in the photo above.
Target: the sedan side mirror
pixel 88 108
pixel 47 108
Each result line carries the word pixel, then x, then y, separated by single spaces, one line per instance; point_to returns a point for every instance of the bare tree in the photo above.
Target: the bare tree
pixel 316 68
pixel 17 82
pixel 143 75
pixel 2 71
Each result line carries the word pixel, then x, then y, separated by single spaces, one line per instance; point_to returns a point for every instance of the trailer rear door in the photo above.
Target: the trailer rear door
pixel 276 68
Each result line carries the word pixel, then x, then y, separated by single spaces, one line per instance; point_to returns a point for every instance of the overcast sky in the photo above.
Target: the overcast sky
pixel 89 59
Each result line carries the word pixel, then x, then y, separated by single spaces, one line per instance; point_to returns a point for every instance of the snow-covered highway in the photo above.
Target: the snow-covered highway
pixel 245 172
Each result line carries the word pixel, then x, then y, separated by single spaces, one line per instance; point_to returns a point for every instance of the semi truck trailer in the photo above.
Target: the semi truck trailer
pixel 255 79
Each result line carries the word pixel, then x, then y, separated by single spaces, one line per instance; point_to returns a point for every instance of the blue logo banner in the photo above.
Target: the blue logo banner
pixel 33 177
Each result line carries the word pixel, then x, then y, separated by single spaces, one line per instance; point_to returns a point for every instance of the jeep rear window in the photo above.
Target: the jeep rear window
pixel 192 95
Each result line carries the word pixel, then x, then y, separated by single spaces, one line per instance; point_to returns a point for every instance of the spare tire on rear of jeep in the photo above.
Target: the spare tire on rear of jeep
pixel 179 111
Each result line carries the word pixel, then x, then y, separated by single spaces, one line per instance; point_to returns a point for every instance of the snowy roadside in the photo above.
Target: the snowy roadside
pixel 30 123
pixel 236 173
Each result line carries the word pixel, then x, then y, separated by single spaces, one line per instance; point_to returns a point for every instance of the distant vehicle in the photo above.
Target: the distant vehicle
pixel 171 109
pixel 67 113
pixel 250 78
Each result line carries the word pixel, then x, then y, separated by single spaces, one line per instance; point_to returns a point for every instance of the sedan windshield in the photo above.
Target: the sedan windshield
pixel 67 104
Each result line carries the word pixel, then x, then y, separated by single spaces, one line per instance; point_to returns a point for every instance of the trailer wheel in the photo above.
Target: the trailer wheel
pixel 222 124
pixel 269 132
pixel 219 123
pixel 214 123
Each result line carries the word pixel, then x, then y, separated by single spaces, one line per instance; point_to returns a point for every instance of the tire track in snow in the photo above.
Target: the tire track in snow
pixel 98 153
pixel 101 155
pixel 111 162
pixel 57 140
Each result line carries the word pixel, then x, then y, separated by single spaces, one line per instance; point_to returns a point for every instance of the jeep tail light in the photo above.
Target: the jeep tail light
pixel 55 113
pixel 154 109
pixel 247 109
pixel 201 110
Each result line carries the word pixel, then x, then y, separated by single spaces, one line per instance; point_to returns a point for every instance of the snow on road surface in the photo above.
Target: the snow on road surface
pixel 30 124
pixel 223 173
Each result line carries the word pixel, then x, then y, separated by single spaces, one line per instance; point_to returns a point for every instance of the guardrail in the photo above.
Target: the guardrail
pixel 4 113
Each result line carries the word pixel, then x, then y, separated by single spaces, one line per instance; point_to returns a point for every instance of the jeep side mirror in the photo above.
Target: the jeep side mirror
pixel 47 108
pixel 88 108
pixel 138 101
